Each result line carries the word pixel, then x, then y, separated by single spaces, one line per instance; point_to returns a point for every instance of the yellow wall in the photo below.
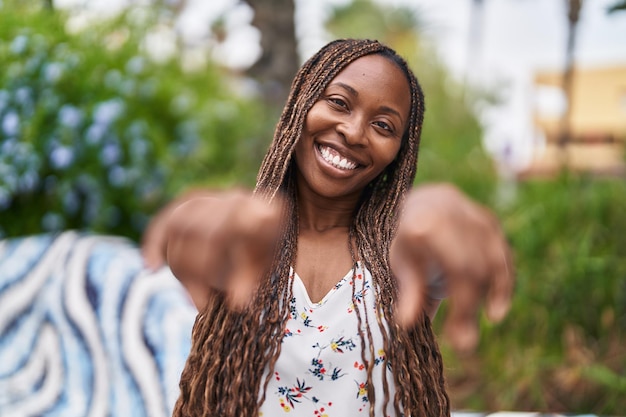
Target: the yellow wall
pixel 598 102
pixel 598 111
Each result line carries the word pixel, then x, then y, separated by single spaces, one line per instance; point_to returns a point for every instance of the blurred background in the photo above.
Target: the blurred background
pixel 109 109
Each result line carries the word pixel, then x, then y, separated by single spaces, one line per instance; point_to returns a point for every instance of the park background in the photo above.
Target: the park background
pixel 107 113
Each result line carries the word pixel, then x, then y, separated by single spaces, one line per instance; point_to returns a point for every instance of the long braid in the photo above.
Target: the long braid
pixel 233 351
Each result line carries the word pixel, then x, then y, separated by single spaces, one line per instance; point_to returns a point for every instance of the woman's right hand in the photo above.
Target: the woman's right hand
pixel 215 241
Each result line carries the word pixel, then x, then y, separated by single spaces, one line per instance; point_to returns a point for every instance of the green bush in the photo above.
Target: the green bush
pixel 94 134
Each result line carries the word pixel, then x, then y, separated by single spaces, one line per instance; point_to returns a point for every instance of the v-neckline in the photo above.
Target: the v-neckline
pixel 298 281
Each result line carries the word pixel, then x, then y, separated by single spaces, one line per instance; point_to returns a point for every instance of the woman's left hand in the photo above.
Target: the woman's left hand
pixel 447 244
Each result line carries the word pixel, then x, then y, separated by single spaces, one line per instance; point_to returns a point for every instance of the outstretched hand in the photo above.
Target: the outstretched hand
pixel 447 244
pixel 214 242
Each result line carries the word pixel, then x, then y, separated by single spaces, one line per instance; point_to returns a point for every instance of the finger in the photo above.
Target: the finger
pixel 154 243
pixel 410 300
pixel 201 268
pixel 254 249
pixel 461 326
pixel 243 283
pixel 500 294
pixel 409 274
pixel 191 259
pixel 155 236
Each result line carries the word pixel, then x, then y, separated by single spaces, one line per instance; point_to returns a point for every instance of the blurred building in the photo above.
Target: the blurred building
pixel 597 123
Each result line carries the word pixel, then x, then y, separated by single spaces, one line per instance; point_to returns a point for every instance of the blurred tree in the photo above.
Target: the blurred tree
pixel 618 6
pixel 279 57
pixel 474 39
pixel 395 26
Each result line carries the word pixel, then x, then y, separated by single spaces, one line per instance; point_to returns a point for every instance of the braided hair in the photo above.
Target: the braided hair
pixel 226 373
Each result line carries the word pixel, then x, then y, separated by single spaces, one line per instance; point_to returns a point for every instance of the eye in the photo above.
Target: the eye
pixel 337 102
pixel 385 126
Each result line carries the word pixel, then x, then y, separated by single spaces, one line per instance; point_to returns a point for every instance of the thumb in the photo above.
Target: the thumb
pixel 243 283
pixel 412 293
pixel 154 243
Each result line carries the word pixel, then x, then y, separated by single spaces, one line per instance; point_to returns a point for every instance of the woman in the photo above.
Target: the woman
pixel 324 331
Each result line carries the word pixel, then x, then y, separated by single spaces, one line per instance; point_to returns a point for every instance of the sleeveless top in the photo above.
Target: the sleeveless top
pixel 320 370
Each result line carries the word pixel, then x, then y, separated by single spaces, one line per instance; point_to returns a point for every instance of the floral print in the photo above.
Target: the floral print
pixel 320 370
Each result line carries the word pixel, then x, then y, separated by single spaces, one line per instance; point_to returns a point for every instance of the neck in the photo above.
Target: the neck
pixel 317 213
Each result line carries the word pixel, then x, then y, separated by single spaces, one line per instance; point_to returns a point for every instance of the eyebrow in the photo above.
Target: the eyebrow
pixel 356 94
pixel 349 88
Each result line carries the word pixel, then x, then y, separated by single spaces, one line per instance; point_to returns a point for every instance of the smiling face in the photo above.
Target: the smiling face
pixel 355 129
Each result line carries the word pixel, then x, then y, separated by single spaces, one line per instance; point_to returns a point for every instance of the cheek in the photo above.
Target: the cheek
pixel 388 153
pixel 313 119
pixel 385 155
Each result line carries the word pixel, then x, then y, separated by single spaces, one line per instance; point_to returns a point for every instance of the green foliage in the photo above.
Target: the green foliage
pixel 94 134
pixel 451 148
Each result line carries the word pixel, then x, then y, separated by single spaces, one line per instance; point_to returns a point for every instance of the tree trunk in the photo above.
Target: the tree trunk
pixel 279 60
pixel 474 41
pixel 573 15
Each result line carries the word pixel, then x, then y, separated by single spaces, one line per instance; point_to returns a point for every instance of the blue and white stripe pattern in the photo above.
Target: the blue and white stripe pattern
pixel 85 330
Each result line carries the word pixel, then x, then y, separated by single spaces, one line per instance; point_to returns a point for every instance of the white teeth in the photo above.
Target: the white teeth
pixel 336 160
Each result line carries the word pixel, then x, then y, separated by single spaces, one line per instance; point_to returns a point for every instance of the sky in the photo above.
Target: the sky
pixel 520 37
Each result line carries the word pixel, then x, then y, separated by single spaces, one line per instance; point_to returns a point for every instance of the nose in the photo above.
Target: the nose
pixel 353 130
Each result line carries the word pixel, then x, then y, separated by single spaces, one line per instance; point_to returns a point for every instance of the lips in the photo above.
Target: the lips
pixel 335 159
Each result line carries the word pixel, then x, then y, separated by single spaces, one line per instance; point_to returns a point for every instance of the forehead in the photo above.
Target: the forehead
pixel 379 77
pixel 374 65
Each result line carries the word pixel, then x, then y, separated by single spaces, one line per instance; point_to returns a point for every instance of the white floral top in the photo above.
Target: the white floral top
pixel 320 371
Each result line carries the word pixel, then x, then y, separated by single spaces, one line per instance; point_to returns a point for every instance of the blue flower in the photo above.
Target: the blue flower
pixel 71 202
pixel 110 154
pixel 70 116
pixel 5 198
pixel 117 176
pixel 11 124
pixel 53 72
pixel 52 222
pixel 24 97
pixel 19 44
pixel 4 100
pixel 108 111
pixel 61 157
pixel 7 147
pixel 28 181
pixel 10 179
pixel 135 65
pixel 95 133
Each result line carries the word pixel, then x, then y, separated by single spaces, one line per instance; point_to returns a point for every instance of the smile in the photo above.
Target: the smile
pixel 333 158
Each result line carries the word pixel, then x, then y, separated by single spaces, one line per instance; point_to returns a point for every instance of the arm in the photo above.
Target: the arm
pixel 446 241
